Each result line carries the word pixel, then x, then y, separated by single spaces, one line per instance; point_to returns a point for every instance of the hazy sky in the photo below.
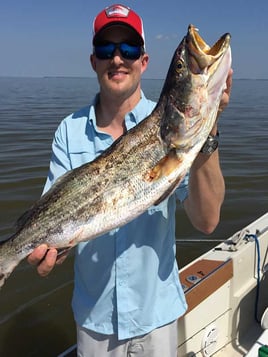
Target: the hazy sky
pixel 53 37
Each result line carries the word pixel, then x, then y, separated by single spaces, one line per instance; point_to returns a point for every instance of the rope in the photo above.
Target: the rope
pixel 254 236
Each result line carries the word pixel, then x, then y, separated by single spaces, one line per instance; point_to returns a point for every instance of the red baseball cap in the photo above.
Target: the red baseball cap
pixel 121 15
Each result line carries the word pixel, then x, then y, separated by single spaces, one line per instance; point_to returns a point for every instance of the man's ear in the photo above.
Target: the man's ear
pixel 93 62
pixel 144 61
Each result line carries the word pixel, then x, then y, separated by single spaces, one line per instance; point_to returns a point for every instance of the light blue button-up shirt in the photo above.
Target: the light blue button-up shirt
pixel 126 281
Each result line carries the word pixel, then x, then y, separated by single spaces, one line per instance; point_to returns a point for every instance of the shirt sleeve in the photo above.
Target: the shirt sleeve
pixel 60 162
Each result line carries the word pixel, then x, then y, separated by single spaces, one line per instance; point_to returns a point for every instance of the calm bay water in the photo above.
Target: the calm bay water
pixel 35 313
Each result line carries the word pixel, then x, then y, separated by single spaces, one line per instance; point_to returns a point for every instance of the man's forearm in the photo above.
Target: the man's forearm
pixel 206 192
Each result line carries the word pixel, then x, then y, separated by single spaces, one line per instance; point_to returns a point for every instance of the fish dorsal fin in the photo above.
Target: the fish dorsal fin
pixel 27 214
pixel 59 181
pixel 23 218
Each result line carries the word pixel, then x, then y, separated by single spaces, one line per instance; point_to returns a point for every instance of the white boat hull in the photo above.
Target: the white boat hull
pixel 221 320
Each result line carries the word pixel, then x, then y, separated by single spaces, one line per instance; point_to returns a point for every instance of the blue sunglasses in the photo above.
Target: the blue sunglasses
pixel 107 50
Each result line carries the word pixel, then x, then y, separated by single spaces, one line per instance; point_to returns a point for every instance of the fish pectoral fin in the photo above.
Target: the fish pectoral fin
pixel 63 251
pixel 164 167
pixel 78 236
pixel 170 190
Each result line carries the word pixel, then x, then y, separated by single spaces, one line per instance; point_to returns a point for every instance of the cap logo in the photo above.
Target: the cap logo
pixel 117 11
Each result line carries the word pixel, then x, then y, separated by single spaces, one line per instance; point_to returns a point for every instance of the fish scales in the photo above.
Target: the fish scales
pixel 140 169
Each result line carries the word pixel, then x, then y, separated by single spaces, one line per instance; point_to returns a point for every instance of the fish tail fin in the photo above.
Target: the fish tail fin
pixel 3 277
pixel 8 261
pixel 5 270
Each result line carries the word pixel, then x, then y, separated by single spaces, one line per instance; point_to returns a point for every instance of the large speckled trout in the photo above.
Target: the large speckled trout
pixel 141 168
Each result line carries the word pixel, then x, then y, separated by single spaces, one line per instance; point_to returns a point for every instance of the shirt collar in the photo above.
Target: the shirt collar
pixel 92 112
pixel 131 119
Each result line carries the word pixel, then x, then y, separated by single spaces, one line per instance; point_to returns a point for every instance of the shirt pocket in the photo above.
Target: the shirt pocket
pixel 80 153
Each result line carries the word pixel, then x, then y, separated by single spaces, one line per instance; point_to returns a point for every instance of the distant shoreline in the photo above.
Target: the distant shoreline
pixel 85 77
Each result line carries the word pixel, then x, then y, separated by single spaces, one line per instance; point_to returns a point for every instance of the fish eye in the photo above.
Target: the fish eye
pixel 179 67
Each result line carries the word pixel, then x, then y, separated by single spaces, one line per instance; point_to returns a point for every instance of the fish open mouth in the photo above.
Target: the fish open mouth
pixel 202 57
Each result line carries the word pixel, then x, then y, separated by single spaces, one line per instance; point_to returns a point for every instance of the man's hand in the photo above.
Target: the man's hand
pixel 45 259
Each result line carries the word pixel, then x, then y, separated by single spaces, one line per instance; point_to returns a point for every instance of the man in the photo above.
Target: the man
pixel 127 296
